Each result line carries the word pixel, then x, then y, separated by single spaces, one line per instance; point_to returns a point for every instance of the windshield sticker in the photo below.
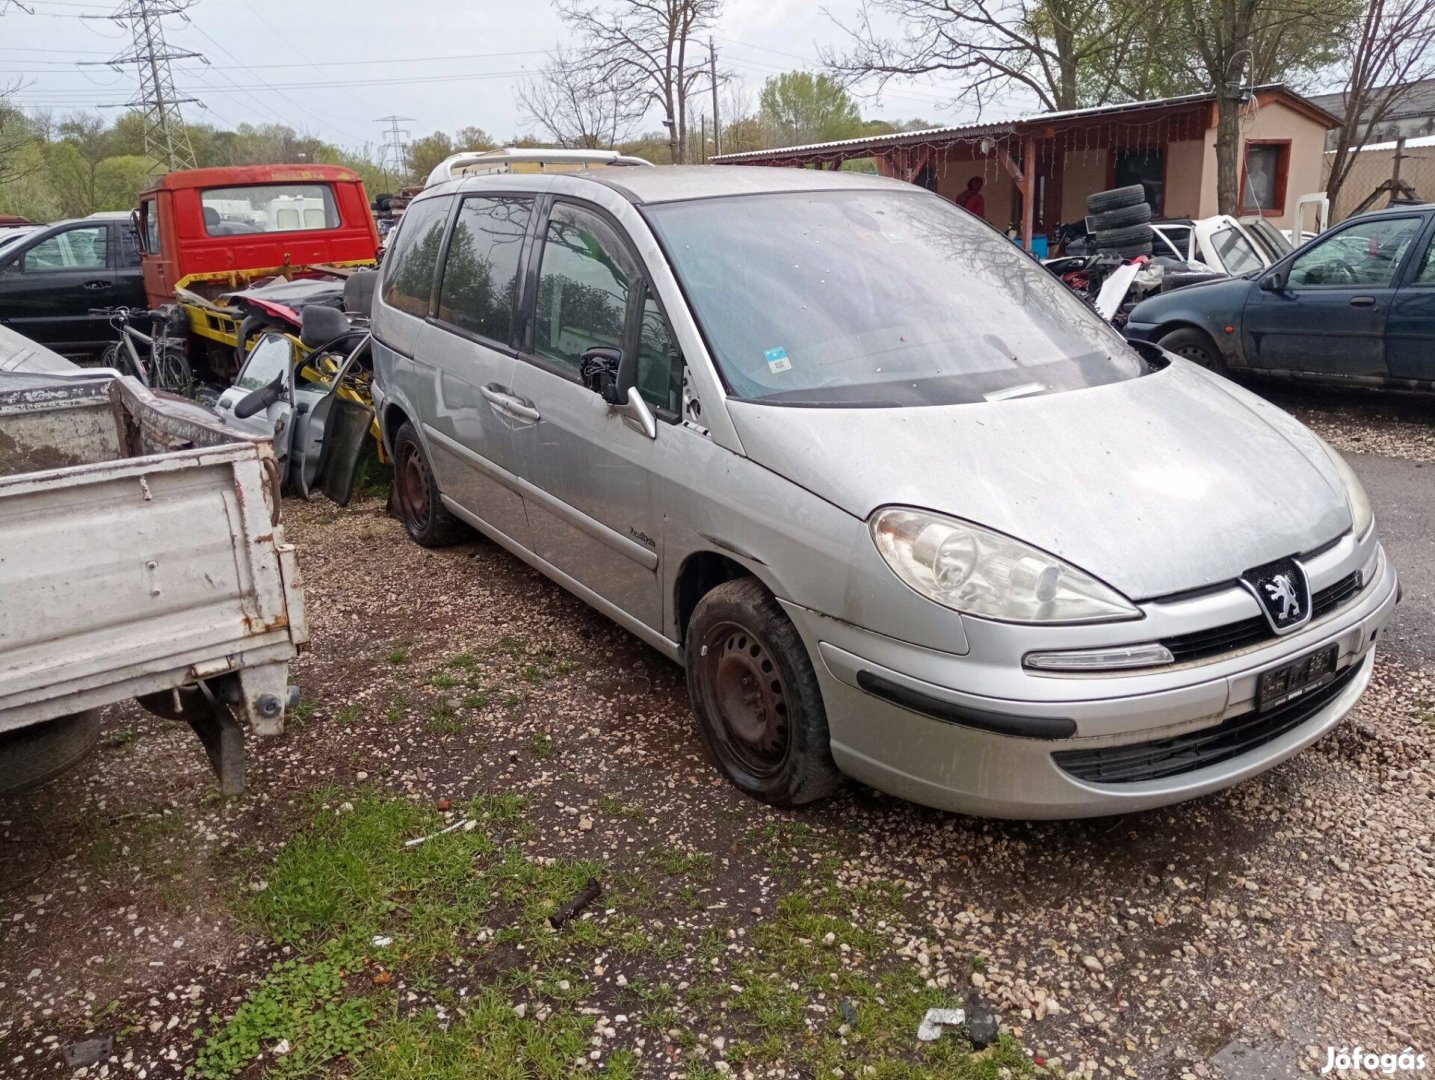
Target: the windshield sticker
pixel 777 361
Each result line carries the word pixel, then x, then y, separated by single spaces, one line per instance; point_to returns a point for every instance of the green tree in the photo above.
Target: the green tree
pixel 803 108
pixel 427 152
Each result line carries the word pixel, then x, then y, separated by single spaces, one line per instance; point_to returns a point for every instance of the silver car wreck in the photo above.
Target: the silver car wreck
pixel 903 507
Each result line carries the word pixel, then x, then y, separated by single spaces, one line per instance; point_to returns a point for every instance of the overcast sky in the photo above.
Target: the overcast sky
pixel 445 64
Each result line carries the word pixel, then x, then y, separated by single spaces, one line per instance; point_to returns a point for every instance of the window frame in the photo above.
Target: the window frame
pixel 1281 182
pixel 22 257
pixel 642 287
pixel 518 327
pixel 1397 276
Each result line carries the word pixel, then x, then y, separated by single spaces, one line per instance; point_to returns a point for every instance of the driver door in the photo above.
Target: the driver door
pixel 271 358
pixel 1329 318
pixel 331 428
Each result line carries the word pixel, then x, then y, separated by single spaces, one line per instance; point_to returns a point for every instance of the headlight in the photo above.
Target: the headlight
pixel 1361 516
pixel 979 572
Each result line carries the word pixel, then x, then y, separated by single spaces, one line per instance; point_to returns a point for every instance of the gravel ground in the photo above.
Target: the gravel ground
pixel 1363 422
pixel 1292 913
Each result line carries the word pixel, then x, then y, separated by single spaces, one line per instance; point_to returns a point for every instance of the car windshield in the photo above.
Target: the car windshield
pixel 878 298
pixel 1236 252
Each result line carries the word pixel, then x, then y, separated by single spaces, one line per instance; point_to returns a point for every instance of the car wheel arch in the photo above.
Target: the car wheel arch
pixel 702 572
pixel 1172 325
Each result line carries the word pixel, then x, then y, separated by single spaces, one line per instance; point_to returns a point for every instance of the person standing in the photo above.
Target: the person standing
pixel 972 200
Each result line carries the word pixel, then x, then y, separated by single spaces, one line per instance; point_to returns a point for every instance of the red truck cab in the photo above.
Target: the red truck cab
pixel 210 231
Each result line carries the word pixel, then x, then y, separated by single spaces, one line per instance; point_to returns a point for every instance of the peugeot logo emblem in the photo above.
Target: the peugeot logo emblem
pixel 1283 592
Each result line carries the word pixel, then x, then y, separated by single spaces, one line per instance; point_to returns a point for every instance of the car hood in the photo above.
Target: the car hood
pixel 1223 294
pixel 1173 481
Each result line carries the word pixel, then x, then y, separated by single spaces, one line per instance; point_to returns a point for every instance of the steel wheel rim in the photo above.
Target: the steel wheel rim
pixel 414 486
pixel 747 696
pixel 1195 354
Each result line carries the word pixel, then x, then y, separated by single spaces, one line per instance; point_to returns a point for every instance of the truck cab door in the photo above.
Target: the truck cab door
pixel 271 358
pixel 332 425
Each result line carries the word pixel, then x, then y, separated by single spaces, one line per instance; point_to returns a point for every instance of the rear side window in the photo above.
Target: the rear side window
pixel 480 273
pixel 413 256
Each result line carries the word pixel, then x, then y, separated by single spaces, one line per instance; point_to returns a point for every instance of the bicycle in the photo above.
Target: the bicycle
pixel 167 368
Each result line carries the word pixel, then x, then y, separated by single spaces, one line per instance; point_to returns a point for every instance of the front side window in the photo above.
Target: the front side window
pixel 659 369
pixel 878 298
pixel 150 214
pixel 1366 254
pixel 272 356
pixel 1236 252
pixel 413 256
pixel 479 290
pixel 73 249
pixel 266 208
pixel 583 287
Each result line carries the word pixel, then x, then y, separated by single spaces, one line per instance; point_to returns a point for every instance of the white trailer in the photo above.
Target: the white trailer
pixel 141 556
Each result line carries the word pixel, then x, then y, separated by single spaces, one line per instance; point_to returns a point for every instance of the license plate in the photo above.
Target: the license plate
pixel 1296 679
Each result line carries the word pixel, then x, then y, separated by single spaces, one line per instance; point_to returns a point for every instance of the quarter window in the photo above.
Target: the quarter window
pixel 74 249
pixel 413 256
pixel 480 273
pixel 1366 254
pixel 582 288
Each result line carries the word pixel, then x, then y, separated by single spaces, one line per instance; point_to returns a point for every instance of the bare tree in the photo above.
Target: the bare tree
pixel 576 108
pixel 645 47
pixel 16 134
pixel 1391 47
pixel 1065 52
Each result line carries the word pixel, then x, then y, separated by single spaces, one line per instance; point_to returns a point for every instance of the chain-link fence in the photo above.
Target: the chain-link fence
pixel 1375 165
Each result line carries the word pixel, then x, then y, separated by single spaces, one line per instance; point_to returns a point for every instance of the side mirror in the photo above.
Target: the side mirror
pixel 599 372
pixel 1275 281
pixel 259 400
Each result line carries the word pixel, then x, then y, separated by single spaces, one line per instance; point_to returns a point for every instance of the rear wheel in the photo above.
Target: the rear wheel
pixel 1196 346
pixel 756 697
pixel 420 508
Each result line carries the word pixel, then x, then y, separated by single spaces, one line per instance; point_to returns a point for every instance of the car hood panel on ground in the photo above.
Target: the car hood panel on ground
pixel 1173 481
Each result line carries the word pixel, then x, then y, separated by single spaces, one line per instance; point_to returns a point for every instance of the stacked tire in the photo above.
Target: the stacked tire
pixel 1121 220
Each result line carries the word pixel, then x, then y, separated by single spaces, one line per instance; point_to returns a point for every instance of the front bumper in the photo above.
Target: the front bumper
pixel 993 756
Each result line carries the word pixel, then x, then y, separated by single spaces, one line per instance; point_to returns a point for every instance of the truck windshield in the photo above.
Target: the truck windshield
pixel 878 298
pixel 266 208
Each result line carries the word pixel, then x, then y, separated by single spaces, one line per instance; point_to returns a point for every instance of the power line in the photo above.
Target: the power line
pixel 166 141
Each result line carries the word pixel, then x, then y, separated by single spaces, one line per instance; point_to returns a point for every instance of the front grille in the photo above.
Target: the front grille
pixel 1134 762
pixel 1240 635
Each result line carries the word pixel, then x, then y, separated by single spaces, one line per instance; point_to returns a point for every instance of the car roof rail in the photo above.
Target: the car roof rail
pixel 541 159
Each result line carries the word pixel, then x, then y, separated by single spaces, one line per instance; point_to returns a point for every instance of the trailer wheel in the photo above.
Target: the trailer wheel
pixel 40 752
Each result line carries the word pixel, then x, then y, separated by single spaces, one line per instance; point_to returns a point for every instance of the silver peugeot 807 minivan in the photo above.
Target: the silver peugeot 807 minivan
pixel 903 507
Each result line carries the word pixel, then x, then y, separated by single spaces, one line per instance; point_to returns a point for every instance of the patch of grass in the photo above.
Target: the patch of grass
pixel 400 653
pixel 348 714
pixel 444 720
pixel 464 661
pixel 477 699
pixel 611 804
pixel 677 863
pixel 304 1002
pixel 398 707
pixel 443 681
pixel 540 744
pixel 301 713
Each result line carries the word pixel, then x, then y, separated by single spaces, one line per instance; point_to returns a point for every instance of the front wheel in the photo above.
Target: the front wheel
pixel 1196 346
pixel 417 496
pixel 756 697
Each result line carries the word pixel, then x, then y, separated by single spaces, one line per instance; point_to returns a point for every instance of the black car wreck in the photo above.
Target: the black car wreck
pixel 1354 306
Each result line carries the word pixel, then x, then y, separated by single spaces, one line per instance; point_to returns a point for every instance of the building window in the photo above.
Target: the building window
pixel 1263 178
pixel 1144 167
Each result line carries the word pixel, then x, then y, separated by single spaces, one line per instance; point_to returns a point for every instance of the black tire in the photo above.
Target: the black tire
pixel 1115 239
pixel 1121 217
pixel 416 495
pixel 1102 202
pixel 1131 251
pixel 1196 346
pixel 756 697
pixel 32 755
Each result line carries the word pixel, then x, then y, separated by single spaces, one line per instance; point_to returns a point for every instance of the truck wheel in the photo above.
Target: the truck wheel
pixel 756 698
pixel 32 755
pixel 1196 346
pixel 1102 202
pixel 420 509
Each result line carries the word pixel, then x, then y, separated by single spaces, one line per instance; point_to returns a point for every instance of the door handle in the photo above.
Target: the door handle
pixel 99 284
pixel 1362 301
pixel 504 402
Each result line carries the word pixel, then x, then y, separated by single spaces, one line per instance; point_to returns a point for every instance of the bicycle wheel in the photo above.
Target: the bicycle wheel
pixel 171 371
